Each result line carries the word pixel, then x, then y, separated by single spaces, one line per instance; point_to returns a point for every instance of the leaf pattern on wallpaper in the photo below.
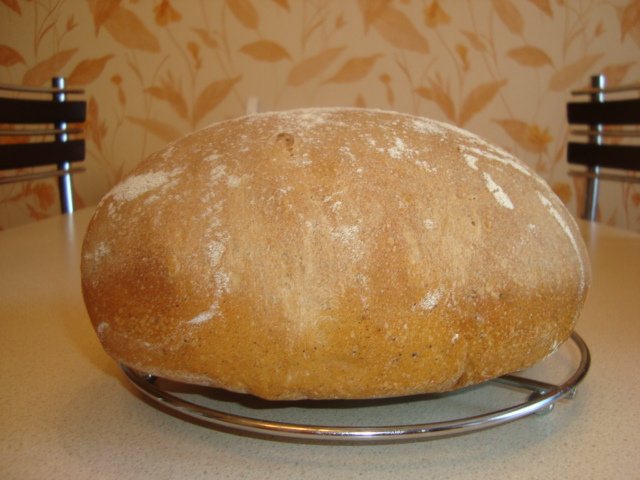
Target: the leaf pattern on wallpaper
pixel 396 28
pixel 211 97
pixel 166 14
pixel 616 73
pixel 574 35
pixel 544 6
pixel 127 29
pixel 170 92
pixel 164 131
pixel 186 73
pixel 434 15
pixel 463 54
pixel 310 67
pixel 245 12
pixel 96 128
pixel 475 41
pixel 41 73
pixel 630 21
pixel 308 30
pixel 530 137
pixel 478 99
pixel 530 56
pixel 265 51
pixel 86 71
pixel 117 81
pixel 509 15
pixel 354 69
pixel 101 10
pixel 573 73
pixel 437 93
pixel 34 213
pixel 194 51
pixel 371 10
pixel 36 196
pixel 9 56
pixel 44 192
pixel 283 4
pixel 206 37
pixel 71 23
pixel 599 30
pixel 562 190
pixel 13 5
pixel 47 26
pixel 385 78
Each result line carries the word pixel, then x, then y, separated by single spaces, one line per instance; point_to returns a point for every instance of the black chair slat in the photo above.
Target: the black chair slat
pixel 625 157
pixel 614 112
pixel 15 110
pixel 37 114
pixel 600 152
pixel 23 155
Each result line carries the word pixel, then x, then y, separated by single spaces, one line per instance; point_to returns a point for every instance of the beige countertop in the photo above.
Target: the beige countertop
pixel 68 412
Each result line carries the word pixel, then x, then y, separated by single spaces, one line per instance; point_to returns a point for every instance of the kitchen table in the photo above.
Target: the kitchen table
pixel 67 411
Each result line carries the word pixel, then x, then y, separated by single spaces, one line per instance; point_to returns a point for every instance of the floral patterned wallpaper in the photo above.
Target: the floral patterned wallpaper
pixel 157 69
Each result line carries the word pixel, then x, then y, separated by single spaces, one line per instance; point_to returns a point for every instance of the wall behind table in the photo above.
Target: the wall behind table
pixel 155 70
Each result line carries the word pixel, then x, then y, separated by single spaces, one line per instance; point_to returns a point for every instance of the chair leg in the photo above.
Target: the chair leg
pixel 593 182
pixel 591 197
pixel 65 188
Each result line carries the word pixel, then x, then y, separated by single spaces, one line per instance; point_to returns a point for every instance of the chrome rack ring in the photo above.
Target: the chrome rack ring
pixel 541 399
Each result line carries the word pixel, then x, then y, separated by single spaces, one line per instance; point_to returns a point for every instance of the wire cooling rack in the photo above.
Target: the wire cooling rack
pixel 496 402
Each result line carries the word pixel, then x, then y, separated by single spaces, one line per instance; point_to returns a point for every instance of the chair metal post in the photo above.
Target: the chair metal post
pixel 64 181
pixel 593 181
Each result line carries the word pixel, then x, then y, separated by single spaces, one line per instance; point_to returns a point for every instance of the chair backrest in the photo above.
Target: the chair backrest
pixel 41 127
pixel 612 124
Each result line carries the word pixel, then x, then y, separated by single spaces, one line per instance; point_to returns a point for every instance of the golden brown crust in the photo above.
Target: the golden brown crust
pixel 332 253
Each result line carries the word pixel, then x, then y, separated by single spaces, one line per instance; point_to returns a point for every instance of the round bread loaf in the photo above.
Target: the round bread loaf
pixel 332 253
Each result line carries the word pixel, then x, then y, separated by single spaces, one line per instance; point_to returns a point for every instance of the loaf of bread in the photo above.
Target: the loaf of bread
pixel 332 253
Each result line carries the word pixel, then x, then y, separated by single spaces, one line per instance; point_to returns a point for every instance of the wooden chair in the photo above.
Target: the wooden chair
pixel 35 131
pixel 610 126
